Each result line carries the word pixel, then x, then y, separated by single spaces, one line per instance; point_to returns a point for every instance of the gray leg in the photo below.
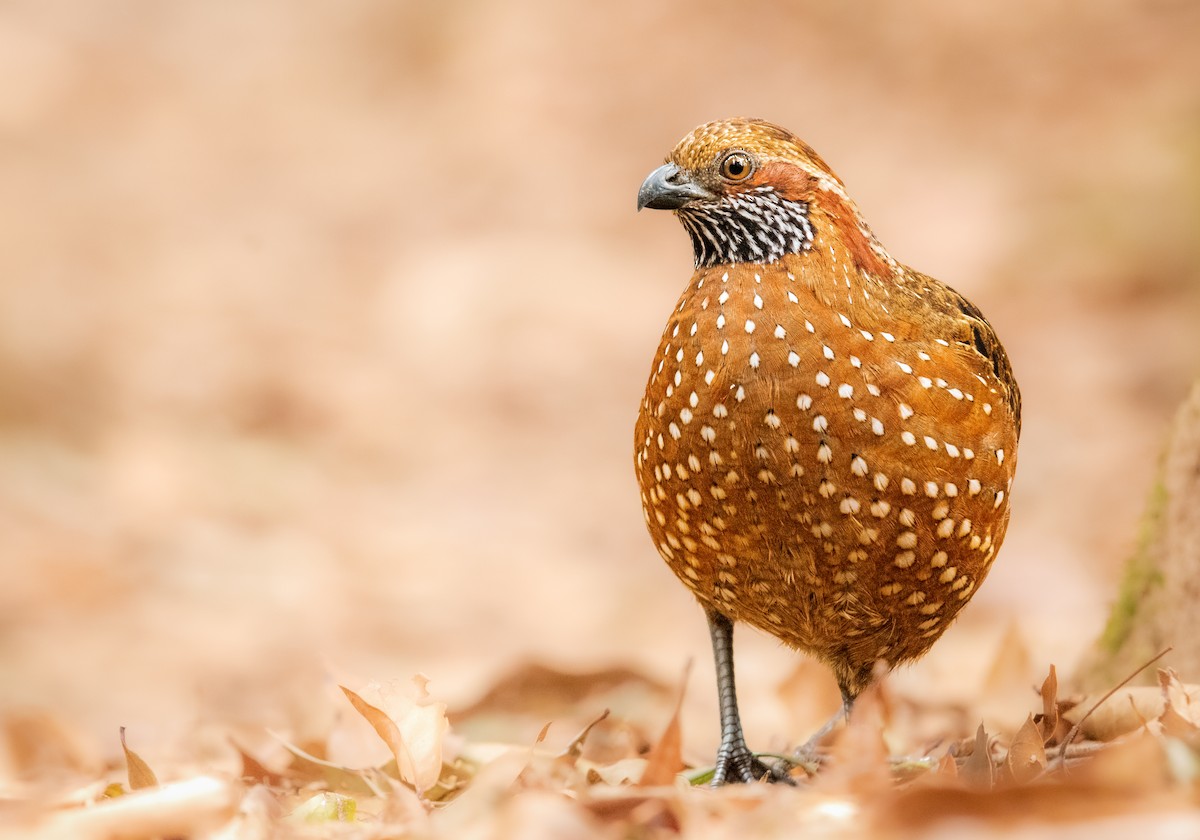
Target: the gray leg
pixel 735 762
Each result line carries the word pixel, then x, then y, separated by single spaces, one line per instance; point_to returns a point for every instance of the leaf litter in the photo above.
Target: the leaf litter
pixel 1074 760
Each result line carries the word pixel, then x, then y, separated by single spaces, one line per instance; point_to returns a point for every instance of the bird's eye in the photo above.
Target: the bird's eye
pixel 736 166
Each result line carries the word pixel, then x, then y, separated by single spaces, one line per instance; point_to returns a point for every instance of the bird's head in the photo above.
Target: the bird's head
pixel 745 190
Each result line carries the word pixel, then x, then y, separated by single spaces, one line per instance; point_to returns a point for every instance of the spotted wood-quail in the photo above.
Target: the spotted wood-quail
pixel 828 437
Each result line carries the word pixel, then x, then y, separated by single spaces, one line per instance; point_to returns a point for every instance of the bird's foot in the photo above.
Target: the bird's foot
pixel 737 765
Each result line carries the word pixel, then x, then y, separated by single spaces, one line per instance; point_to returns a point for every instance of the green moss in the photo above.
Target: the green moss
pixel 1142 574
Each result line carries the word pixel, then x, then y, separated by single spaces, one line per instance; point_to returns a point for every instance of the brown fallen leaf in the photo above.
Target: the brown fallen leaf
pixel 1180 707
pixel 858 758
pixel 140 774
pixel 1026 754
pixel 1122 713
pixel 254 770
pixel 1048 721
pixel 666 756
pixel 977 772
pixel 411 728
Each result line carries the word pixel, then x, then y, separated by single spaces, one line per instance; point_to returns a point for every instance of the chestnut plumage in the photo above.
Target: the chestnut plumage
pixel 827 440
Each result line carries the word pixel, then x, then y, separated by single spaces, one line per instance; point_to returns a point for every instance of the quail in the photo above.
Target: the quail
pixel 828 438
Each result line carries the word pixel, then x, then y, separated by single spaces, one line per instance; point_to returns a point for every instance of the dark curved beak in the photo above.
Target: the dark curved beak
pixel 669 188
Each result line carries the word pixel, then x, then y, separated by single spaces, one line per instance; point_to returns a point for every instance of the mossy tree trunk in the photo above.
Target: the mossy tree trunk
pixel 1159 601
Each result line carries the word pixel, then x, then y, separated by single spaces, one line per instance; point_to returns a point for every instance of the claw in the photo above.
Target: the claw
pixel 740 766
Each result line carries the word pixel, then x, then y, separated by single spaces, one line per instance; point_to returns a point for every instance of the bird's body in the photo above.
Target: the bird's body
pixel 827 440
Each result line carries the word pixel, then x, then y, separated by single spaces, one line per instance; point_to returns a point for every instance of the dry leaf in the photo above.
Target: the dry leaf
pixel 858 758
pixel 666 756
pixel 1026 755
pixel 977 771
pixel 1179 707
pixel 307 768
pixel 947 768
pixel 575 748
pixel 254 770
pixel 140 774
pixel 1049 718
pixel 412 729
pixel 1123 712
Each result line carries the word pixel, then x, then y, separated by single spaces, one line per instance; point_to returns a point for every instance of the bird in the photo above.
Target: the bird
pixel 828 438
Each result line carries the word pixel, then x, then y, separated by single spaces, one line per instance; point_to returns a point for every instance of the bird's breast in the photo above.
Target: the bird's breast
pixel 798 456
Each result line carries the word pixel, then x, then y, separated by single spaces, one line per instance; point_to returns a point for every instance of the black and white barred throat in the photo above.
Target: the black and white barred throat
pixel 759 226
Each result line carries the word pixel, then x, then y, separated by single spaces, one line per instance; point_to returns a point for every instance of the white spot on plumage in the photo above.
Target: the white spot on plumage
pixel 749 326
pixel 721 321
pixel 822 379
pixel 931 489
pixel 908 437
pixel 754 360
pixel 794 359
pixel 904 366
pixel 804 402
pixel 905 411
pixel 758 302
pixel 951 449
pixel 877 426
pixel 845 321
pixel 931 443
pixel 820 424
pixel 845 391
pixel 780 332
pixel 827 352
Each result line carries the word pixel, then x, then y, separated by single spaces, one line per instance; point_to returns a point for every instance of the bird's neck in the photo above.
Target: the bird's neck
pixel 760 226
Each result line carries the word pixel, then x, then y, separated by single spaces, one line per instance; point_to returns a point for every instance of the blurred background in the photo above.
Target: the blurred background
pixel 323 325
